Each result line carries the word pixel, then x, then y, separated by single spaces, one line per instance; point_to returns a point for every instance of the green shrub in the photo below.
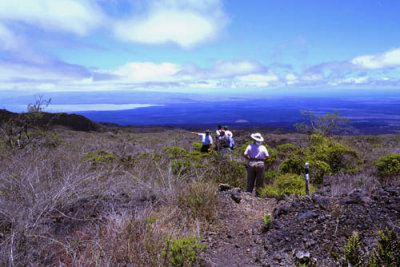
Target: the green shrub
pixel 196 155
pixel 284 185
pixel 100 157
pixel 336 155
pixel 318 169
pixel 273 155
pixel 224 170
pixel 389 165
pixel 197 146
pixel 387 250
pixel 293 164
pixel 269 176
pixel 287 149
pixel 267 220
pixel 180 167
pixel 176 152
pixel 198 201
pixel 324 156
pixel 183 252
pixel 352 251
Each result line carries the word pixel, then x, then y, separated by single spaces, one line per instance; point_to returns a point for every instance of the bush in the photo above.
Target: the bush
pixel 183 252
pixel 196 156
pixel 293 164
pixel 387 250
pixel 269 176
pixel 284 185
pixel 180 167
pixel 176 152
pixel 352 251
pixel 272 157
pixel 324 156
pixel 318 169
pixel 287 149
pixel 100 157
pixel 198 201
pixel 224 170
pixel 197 146
pixel 267 221
pixel 336 155
pixel 389 165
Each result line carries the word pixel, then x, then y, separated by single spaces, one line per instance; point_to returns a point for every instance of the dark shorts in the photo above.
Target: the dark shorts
pixel 205 148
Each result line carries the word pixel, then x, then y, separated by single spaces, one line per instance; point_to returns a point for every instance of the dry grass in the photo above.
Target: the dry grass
pixel 56 208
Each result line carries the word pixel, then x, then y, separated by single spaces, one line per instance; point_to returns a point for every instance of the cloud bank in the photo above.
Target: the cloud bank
pixel 381 70
pixel 186 23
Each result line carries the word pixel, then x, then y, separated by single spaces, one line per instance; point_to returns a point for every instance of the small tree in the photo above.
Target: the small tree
pixel 39 105
pixel 324 125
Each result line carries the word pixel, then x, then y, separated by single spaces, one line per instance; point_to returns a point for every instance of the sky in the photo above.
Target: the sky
pixel 200 46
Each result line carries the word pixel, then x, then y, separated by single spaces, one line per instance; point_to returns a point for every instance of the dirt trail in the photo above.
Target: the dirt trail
pixel 237 240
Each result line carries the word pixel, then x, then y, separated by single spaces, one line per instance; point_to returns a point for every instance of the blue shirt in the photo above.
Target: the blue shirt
pixel 206 139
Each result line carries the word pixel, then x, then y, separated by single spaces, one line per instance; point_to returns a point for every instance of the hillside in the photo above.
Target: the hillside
pixel 147 197
pixel 49 120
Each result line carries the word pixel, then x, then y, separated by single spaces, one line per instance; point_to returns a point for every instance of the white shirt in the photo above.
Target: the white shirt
pixel 229 133
pixel 206 139
pixel 255 151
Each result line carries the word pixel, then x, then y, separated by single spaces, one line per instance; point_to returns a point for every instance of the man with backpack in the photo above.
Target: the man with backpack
pixel 218 136
pixel 224 143
pixel 256 154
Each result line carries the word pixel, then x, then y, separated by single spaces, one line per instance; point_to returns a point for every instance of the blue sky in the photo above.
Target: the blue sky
pixel 200 46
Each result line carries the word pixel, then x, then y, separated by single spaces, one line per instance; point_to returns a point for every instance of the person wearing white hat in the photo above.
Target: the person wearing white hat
pixel 257 154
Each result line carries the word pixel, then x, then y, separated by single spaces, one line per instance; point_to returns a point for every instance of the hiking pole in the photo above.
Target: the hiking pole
pixel 306 171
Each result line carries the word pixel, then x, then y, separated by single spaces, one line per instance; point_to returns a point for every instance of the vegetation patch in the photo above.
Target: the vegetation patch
pixel 324 156
pixel 100 157
pixel 284 185
pixel 389 165
pixel 198 201
pixel 183 252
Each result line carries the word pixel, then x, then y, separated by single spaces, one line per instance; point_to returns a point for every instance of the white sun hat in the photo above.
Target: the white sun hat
pixel 257 137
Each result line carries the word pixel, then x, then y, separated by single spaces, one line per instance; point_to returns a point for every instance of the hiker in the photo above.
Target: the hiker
pixel 219 134
pixel 230 135
pixel 257 154
pixel 206 141
pixel 224 143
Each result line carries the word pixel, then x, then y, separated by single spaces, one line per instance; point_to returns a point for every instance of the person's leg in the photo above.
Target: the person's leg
pixel 251 176
pixel 259 179
pixel 204 148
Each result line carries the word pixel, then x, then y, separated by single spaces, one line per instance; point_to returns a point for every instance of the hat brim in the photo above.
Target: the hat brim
pixel 257 137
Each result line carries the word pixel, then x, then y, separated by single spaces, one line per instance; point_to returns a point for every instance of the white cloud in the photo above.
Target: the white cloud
pixel 8 40
pixel 257 80
pixel 388 59
pixel 146 72
pixel 312 77
pixel 74 16
pixel 185 23
pixel 291 78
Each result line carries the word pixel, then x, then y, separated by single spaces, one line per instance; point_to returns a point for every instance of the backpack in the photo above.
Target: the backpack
pixel 225 141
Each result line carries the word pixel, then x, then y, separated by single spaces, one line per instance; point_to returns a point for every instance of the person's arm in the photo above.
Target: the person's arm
pixel 266 155
pixel 245 154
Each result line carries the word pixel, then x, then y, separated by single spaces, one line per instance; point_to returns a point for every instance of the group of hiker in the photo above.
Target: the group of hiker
pixel 224 140
pixel 256 153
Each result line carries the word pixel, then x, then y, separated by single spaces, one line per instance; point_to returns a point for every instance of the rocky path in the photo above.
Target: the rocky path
pixel 310 230
pixel 237 240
